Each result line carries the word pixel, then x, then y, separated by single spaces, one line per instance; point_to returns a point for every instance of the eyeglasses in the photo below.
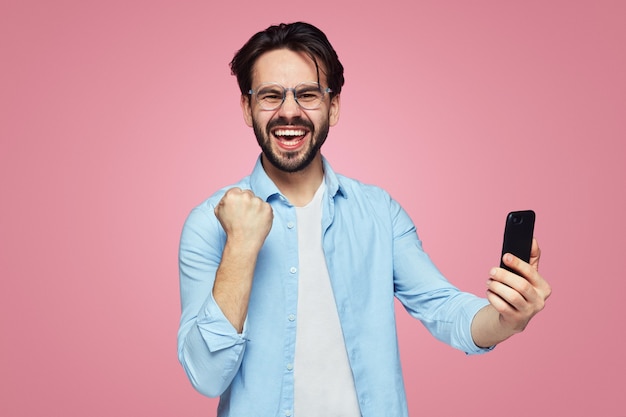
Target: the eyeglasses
pixel 308 95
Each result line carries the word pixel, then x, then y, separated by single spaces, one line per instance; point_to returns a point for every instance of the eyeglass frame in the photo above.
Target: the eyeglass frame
pixel 324 91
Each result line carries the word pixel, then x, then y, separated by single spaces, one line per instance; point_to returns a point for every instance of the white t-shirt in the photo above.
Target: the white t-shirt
pixel 324 385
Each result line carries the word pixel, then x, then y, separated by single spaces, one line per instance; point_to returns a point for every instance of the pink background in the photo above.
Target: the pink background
pixel 117 117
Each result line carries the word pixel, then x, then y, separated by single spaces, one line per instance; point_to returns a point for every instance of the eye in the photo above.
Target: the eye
pixel 269 95
pixel 308 95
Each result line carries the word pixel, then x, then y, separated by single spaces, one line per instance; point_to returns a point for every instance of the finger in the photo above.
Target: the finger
pixel 517 293
pixel 234 190
pixel 528 288
pixel 502 306
pixel 534 290
pixel 535 254
pixel 527 272
pixel 247 191
pixel 232 194
pixel 520 267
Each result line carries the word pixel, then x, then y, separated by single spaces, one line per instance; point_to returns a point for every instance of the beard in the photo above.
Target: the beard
pixel 290 161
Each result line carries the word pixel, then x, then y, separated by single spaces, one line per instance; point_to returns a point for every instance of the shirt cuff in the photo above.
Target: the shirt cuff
pixel 471 309
pixel 215 328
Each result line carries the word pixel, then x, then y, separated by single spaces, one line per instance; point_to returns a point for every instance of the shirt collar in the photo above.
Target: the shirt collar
pixel 264 188
pixel 333 181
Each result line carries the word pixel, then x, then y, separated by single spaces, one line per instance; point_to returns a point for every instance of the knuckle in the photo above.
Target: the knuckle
pixel 526 287
pixel 548 291
pixel 541 305
pixel 516 298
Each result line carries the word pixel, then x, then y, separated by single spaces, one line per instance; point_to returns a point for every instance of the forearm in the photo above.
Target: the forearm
pixel 209 348
pixel 233 282
pixel 487 329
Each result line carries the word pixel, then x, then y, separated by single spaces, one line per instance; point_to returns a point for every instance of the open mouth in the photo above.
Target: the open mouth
pixel 289 137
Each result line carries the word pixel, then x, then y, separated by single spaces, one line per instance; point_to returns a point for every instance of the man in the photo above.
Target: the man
pixel 288 277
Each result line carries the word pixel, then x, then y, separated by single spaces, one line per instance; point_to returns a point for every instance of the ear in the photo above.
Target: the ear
pixel 333 111
pixel 246 109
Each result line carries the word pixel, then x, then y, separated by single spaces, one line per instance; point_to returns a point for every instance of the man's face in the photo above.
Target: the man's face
pixel 290 137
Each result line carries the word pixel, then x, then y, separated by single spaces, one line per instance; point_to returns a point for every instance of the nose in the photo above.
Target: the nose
pixel 290 106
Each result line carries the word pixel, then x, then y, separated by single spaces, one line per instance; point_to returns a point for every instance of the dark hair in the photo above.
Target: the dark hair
pixel 297 37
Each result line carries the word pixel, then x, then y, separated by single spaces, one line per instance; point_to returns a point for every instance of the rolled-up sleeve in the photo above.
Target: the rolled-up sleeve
pixel 426 294
pixel 209 347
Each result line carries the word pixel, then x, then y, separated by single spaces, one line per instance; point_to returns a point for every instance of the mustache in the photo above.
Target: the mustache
pixel 297 121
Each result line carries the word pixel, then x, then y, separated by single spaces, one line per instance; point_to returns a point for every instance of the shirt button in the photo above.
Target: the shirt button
pixel 290 225
pixel 290 367
pixel 293 269
pixel 288 413
pixel 291 317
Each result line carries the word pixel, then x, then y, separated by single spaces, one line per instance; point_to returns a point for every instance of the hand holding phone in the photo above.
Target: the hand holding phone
pixel 518 235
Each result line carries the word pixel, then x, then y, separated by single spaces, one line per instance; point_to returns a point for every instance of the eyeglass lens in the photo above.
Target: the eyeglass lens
pixel 308 95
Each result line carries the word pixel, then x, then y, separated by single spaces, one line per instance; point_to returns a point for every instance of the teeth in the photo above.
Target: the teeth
pixel 289 132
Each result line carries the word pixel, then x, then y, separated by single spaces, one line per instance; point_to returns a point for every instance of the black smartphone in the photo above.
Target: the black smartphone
pixel 518 235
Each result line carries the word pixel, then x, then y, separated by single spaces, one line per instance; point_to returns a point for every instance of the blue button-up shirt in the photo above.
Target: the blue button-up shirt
pixel 373 254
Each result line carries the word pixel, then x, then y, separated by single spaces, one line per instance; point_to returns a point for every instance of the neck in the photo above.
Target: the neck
pixel 299 187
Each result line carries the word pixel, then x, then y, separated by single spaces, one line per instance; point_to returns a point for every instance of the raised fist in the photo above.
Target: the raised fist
pixel 246 218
